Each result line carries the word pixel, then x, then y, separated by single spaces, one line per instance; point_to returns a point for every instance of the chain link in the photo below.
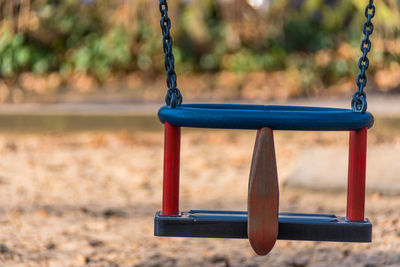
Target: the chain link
pixel 173 97
pixel 359 101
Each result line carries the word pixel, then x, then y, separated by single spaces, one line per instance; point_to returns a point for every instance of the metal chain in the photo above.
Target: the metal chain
pixel 173 97
pixel 359 101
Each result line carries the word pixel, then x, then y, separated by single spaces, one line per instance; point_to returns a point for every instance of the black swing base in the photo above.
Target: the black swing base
pixel 233 224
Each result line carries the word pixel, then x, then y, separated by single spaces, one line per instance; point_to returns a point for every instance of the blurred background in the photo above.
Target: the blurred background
pixel 228 50
pixel 81 146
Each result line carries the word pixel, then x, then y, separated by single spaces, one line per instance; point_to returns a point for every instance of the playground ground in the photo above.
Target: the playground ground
pixel 87 198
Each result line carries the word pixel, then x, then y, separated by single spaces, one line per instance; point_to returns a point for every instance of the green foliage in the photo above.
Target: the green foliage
pixel 14 56
pixel 100 37
pixel 100 54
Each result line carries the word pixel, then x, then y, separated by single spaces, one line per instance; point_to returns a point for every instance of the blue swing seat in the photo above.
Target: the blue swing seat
pixel 235 116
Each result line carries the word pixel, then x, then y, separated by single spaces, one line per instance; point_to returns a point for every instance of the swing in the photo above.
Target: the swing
pixel 262 224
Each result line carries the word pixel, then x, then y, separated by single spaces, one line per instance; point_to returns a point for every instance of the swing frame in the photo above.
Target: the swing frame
pixel 292 226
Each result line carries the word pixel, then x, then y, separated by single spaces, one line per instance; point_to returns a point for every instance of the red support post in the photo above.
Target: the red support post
pixel 356 178
pixel 172 144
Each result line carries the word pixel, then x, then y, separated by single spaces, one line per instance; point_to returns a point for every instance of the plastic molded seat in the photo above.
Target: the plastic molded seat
pixel 233 224
pixel 235 116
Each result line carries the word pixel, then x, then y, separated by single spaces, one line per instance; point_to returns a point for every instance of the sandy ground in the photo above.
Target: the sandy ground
pixel 88 199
